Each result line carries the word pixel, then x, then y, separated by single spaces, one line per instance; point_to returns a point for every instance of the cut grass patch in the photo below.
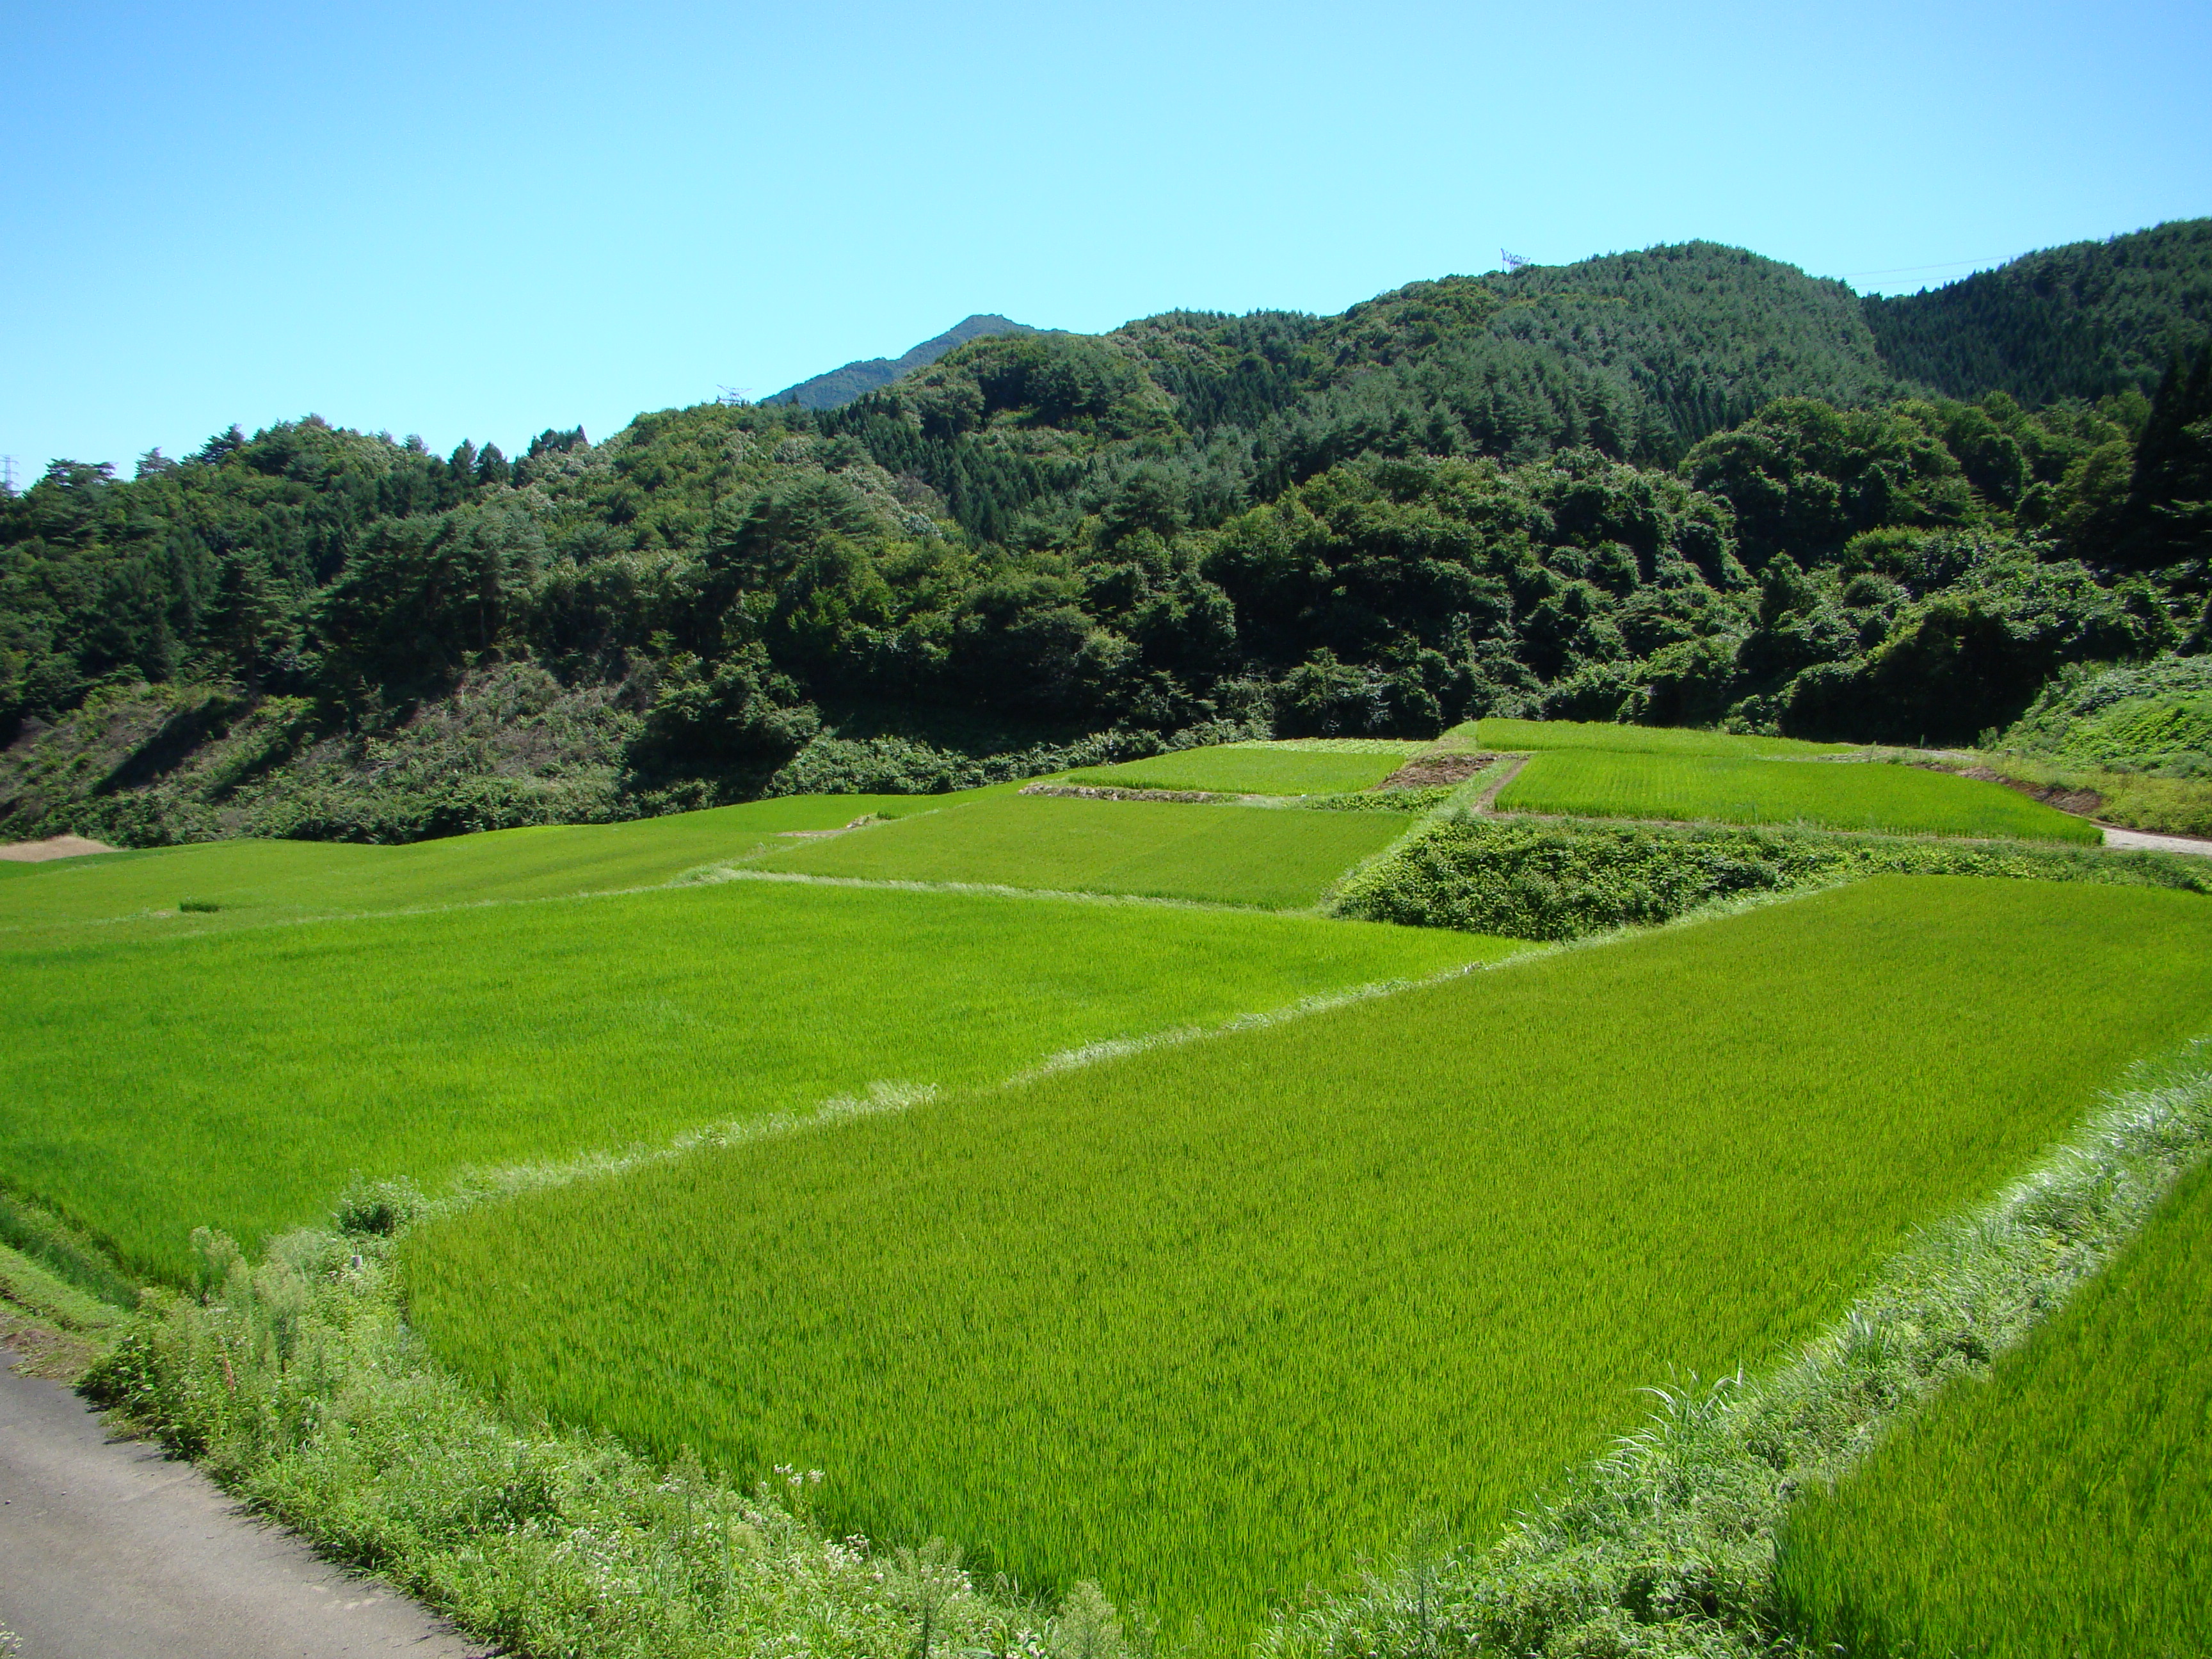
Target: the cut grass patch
pixel 1253 855
pixel 1259 769
pixel 237 1080
pixel 1835 795
pixel 1538 735
pixel 2060 1505
pixel 1211 1325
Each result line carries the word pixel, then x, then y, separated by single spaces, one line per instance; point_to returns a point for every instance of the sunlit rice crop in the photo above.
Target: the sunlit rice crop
pixel 2061 1505
pixel 1827 794
pixel 1213 1324
pixel 1258 769
pixel 1230 854
pixel 237 1080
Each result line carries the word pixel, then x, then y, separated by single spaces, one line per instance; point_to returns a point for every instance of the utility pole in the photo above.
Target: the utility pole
pixel 7 474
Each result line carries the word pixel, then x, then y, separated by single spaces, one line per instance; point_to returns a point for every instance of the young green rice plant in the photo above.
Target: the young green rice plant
pixel 2059 1506
pixel 1534 736
pixel 1835 795
pixel 1228 854
pixel 244 883
pixel 241 1079
pixel 1209 1323
pixel 1312 767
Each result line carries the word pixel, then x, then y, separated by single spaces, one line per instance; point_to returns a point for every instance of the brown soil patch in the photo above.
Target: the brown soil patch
pixel 1085 792
pixel 40 1349
pixel 1434 771
pixel 2083 802
pixel 53 846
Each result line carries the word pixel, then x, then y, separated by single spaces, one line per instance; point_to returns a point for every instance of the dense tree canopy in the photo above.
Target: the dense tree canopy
pixel 1681 485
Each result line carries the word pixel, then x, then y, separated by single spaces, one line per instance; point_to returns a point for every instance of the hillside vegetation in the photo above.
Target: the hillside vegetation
pixel 1683 486
pixel 841 386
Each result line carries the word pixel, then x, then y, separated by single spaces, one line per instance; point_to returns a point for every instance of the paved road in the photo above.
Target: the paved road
pixel 2141 839
pixel 108 1551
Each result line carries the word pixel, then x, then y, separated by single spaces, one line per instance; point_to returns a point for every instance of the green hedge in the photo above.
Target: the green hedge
pixel 1563 880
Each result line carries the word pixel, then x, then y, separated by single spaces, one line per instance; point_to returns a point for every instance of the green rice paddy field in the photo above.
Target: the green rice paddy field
pixel 2060 1506
pixel 1732 789
pixel 1210 1323
pixel 1514 737
pixel 237 1078
pixel 1318 766
pixel 1255 855
pixel 251 882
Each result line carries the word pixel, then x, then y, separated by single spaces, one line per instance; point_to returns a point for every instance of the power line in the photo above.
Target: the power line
pixel 1899 270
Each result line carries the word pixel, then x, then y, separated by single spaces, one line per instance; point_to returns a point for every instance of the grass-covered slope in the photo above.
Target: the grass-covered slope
pixel 1317 767
pixel 2060 1506
pixel 1832 795
pixel 1214 1322
pixel 1253 855
pixel 237 1080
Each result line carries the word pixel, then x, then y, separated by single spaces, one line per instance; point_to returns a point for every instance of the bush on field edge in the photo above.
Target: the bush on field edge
pixel 1564 879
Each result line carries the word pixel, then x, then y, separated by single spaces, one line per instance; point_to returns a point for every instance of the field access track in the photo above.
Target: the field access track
pixel 1211 1323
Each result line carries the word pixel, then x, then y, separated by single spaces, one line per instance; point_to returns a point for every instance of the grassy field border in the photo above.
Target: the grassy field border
pixel 1666 1547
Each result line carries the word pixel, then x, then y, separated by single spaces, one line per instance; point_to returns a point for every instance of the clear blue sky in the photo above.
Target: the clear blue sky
pixel 481 220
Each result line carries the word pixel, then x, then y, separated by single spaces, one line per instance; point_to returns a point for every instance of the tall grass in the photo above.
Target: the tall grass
pixel 1565 879
pixel 1229 854
pixel 1515 736
pixel 1908 799
pixel 1258 769
pixel 2061 1505
pixel 238 1079
pixel 1211 1325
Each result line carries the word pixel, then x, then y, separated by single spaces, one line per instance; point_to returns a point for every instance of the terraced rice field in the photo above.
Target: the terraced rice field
pixel 234 883
pixel 1211 1323
pixel 1832 795
pixel 237 1079
pixel 1256 855
pixel 1315 767
pixel 2060 1506
pixel 1515 737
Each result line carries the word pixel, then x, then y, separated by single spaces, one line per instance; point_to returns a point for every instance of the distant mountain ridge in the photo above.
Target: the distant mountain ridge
pixel 841 386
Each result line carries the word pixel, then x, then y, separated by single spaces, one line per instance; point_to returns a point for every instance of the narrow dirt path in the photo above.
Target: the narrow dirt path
pixel 110 1551
pixel 2144 841
pixel 1487 801
pixel 53 846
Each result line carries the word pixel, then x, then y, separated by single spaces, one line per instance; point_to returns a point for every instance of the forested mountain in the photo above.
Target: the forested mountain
pixel 1687 484
pixel 2080 321
pixel 841 386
